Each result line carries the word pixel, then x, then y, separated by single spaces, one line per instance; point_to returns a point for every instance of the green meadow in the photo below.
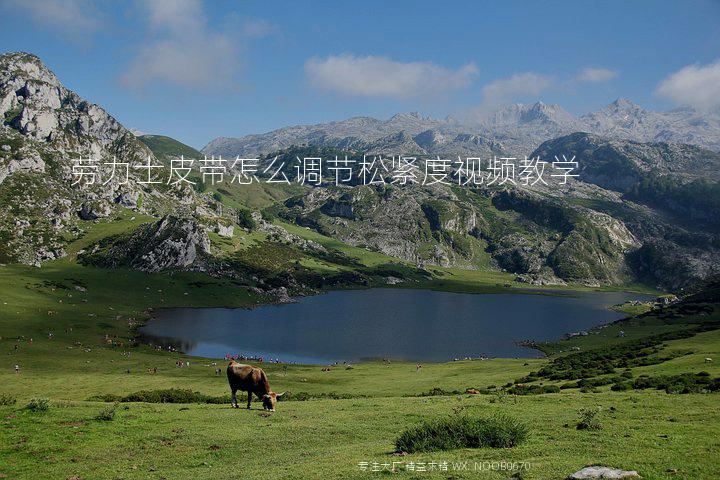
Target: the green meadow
pixel 340 423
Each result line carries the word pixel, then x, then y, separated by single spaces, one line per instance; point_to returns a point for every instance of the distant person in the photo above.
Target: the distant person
pixel 418 367
pixel 17 369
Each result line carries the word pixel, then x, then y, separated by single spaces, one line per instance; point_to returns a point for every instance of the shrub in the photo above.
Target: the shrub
pixel 621 387
pixel 533 389
pixel 439 392
pixel 107 414
pixel 7 399
pixel 588 419
pixel 106 397
pixel 38 405
pixel 172 395
pixel 268 216
pixel 682 383
pixel 175 395
pixel 604 361
pixel 462 432
pixel 245 220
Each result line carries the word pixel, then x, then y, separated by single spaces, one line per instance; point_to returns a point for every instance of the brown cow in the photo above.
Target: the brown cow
pixel 251 380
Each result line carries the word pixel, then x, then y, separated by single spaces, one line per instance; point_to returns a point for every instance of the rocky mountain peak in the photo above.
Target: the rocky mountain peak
pixel 406 116
pixel 429 139
pixel 25 65
pixel 623 103
pixel 44 126
pixel 518 114
pixel 34 102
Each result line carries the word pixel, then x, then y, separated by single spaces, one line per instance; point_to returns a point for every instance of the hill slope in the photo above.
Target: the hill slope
pixel 165 147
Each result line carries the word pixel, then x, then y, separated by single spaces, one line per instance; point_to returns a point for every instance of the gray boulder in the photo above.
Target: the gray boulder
pixel 128 199
pixel 225 231
pixel 603 472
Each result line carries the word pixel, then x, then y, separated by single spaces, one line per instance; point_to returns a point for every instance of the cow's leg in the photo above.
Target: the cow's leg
pixel 233 401
pixel 249 399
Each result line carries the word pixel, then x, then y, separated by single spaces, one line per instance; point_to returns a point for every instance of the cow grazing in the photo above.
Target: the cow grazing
pixel 252 380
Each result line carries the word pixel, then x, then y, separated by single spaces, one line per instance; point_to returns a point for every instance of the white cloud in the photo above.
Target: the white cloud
pixel 372 76
pixel 695 85
pixel 182 49
pixel 174 16
pixel 259 28
pixel 74 19
pixel 591 74
pixel 520 84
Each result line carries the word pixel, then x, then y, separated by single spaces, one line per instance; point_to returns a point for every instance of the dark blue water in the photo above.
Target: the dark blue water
pixel 415 325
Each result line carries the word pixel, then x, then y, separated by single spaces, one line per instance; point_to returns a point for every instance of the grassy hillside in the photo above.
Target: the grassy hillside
pixel 165 147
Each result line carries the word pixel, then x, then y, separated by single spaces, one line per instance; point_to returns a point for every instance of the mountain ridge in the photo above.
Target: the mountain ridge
pixel 634 213
pixel 519 128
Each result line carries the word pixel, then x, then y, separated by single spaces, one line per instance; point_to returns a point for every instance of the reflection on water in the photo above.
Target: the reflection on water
pixel 169 343
pixel 416 325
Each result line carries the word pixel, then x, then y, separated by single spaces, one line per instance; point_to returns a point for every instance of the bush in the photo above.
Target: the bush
pixel 245 220
pixel 462 432
pixel 439 392
pixel 38 405
pixel 533 389
pixel 268 216
pixel 7 399
pixel 604 361
pixel 175 395
pixel 588 419
pixel 621 387
pixel 172 395
pixel 682 383
pixel 107 414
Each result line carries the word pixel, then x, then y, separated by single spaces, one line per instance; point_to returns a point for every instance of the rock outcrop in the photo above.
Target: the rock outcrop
pixel 173 243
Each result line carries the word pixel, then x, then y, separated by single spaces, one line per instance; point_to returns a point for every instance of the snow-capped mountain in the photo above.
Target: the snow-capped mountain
pixel 516 130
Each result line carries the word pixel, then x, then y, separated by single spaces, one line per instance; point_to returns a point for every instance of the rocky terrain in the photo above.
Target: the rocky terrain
pixel 514 130
pixel 46 126
pixel 644 207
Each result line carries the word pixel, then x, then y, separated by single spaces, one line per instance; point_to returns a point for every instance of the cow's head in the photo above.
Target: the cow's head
pixel 270 400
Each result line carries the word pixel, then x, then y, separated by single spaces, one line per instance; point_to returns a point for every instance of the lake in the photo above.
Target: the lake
pixel 414 325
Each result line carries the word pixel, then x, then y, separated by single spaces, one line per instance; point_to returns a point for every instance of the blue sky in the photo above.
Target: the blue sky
pixel 195 70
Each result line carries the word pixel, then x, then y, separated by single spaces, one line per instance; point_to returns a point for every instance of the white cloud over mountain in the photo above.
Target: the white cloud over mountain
pixel 695 85
pixel 373 76
pixel 504 89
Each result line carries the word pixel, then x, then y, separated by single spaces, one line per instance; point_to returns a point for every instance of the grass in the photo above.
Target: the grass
pixel 311 439
pixel 350 416
pixel 329 438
